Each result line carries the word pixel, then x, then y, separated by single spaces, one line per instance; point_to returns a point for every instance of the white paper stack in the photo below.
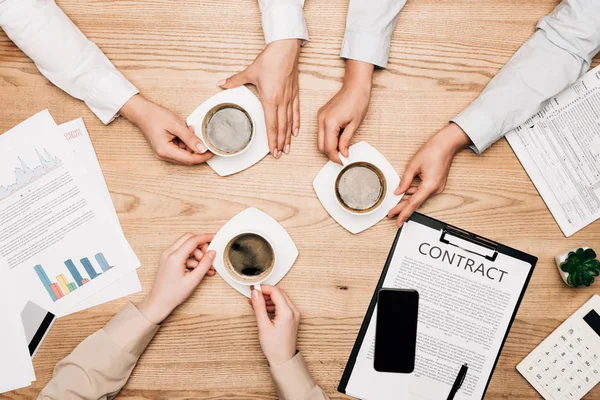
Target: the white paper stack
pixel 61 244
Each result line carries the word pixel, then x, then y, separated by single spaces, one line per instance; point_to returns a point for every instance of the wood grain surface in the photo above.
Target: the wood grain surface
pixel 443 54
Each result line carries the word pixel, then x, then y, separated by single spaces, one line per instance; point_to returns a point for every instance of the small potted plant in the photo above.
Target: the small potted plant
pixel 578 267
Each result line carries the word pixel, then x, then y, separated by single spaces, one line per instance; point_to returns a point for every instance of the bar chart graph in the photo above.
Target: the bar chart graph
pixel 62 286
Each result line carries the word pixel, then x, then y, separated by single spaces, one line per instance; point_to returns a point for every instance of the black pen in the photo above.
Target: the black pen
pixel 458 381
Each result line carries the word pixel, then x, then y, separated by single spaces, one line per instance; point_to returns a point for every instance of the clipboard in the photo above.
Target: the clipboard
pixel 454 236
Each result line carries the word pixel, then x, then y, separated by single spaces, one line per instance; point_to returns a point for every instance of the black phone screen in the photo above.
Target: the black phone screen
pixel 396 330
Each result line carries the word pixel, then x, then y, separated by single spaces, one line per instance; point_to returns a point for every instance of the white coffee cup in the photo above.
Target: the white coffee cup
pixel 204 134
pixel 249 258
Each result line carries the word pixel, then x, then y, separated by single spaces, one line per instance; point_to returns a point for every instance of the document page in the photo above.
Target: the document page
pixel 84 155
pixel 559 147
pixel 465 306
pixel 56 238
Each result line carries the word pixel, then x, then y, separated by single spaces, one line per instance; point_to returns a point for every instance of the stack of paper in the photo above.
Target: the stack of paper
pixel 61 244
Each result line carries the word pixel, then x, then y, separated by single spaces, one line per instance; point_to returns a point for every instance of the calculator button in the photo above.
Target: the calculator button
pixel 563 339
pixel 555 378
pixel 580 354
pixel 594 356
pixel 539 359
pixel 562 353
pixel 559 390
pixel 580 371
pixel 570 361
pixel 571 394
pixel 563 370
pixel 587 379
pixel 571 378
pixel 579 387
pixel 596 372
pixel 578 339
pixel 554 361
pixel 572 346
pixel 586 363
pixel 547 369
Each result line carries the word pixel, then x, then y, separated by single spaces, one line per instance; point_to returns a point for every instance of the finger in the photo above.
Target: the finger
pixel 174 154
pixel 177 244
pixel 407 207
pixel 271 122
pixel 191 263
pixel 288 135
pixel 407 178
pixel 239 79
pixel 332 132
pixel 281 126
pixel 279 300
pixel 271 309
pixel 191 244
pixel 211 272
pixel 411 190
pixel 186 135
pixel 346 137
pixel 204 247
pixel 296 116
pixel 198 254
pixel 260 309
pixel 200 271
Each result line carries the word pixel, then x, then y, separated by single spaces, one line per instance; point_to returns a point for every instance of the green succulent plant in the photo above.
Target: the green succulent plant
pixel 582 267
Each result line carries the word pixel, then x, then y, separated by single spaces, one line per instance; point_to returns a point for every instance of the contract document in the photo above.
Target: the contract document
pixel 559 147
pixel 467 302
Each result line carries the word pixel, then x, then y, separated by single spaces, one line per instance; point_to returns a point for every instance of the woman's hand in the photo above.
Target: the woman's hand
pixel 275 73
pixel 182 267
pixel 278 336
pixel 432 165
pixel 343 114
pixel 169 137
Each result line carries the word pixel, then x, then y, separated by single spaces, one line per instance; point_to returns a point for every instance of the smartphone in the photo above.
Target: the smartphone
pixel 396 330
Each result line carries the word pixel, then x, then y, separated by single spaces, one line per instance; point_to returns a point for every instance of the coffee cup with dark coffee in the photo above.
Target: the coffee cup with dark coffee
pixel 227 129
pixel 249 258
pixel 360 187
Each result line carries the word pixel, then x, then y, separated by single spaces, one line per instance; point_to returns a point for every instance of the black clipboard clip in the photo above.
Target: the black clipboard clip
pixel 450 231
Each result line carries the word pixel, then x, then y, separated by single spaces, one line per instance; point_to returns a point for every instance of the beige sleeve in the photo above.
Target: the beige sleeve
pixel 293 381
pixel 100 366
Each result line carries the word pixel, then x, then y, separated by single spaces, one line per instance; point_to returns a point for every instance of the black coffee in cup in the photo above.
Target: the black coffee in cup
pixel 360 187
pixel 249 258
pixel 227 129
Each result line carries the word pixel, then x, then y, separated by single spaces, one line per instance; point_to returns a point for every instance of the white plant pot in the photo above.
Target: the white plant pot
pixel 562 257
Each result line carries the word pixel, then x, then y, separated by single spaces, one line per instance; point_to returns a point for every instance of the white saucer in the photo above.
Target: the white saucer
pixel 324 187
pixel 252 219
pixel 259 147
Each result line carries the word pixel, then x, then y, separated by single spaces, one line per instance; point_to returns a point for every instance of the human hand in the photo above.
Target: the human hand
pixel 277 337
pixel 169 137
pixel 275 73
pixel 182 267
pixel 343 114
pixel 432 165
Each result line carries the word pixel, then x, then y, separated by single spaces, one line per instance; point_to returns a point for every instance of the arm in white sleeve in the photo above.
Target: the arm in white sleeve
pixel 559 52
pixel 283 19
pixel 369 28
pixel 65 56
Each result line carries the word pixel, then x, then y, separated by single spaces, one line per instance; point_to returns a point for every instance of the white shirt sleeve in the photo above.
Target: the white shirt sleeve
pixel 65 56
pixel 558 53
pixel 369 28
pixel 283 19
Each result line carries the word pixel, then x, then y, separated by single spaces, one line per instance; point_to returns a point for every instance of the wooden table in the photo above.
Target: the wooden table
pixel 443 54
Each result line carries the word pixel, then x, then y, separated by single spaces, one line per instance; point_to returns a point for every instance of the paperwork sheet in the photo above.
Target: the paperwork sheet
pixel 84 155
pixel 559 148
pixel 466 305
pixel 56 238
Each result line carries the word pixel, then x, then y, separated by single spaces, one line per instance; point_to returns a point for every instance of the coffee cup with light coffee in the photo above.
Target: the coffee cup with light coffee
pixel 227 130
pixel 360 187
pixel 249 258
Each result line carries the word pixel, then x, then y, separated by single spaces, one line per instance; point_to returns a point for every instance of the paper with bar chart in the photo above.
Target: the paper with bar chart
pixel 57 239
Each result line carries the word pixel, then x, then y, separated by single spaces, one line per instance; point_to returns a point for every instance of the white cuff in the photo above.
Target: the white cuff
pixel 478 127
pixel 109 95
pixel 285 21
pixel 361 46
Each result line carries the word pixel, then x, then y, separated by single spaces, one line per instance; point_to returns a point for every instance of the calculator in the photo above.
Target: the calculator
pixel 566 365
